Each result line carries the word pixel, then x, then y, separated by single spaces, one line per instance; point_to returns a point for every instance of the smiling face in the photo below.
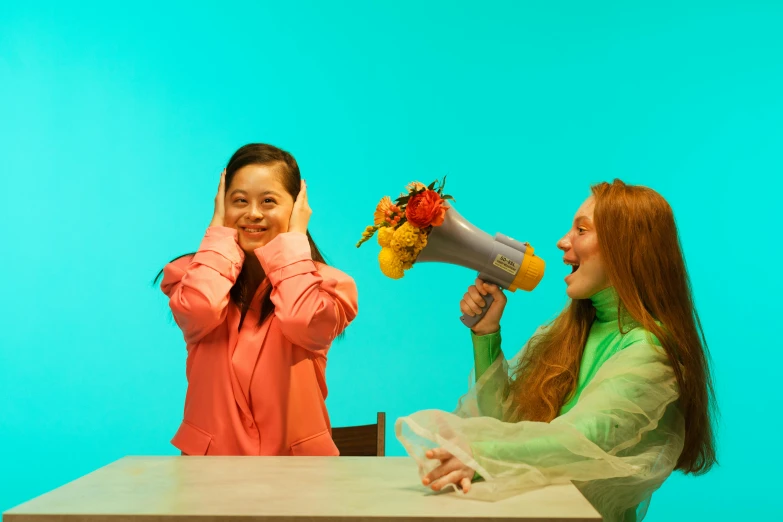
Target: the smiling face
pixel 258 205
pixel 580 248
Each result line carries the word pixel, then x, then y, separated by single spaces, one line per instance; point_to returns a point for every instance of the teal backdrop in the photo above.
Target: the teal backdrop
pixel 116 120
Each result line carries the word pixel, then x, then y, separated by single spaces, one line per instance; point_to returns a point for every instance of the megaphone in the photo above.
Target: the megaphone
pixel 499 260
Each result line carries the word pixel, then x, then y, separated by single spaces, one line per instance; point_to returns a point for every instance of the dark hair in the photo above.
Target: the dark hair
pixel 261 154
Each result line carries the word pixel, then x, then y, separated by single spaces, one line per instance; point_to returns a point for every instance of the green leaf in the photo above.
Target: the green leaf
pixel 432 185
pixel 448 197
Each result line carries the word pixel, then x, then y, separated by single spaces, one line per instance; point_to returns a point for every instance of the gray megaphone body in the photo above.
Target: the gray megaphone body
pixel 500 260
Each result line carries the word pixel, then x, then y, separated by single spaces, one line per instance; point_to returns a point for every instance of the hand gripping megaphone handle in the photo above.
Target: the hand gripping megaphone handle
pixel 470 321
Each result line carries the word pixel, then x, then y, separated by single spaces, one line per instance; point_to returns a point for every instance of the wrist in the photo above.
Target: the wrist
pixel 485 330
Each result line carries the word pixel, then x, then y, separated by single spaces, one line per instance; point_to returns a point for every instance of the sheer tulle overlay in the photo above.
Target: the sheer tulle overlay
pixel 618 443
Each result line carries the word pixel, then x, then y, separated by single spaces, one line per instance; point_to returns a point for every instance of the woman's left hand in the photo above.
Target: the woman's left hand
pixel 450 471
pixel 300 215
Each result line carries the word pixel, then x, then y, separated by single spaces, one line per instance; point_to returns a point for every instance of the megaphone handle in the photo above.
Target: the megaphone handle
pixel 470 321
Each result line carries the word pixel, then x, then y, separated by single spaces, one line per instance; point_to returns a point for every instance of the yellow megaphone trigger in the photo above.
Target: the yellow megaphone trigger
pixel 530 273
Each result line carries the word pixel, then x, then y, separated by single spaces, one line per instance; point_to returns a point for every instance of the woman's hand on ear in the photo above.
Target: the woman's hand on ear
pixel 219 216
pixel 300 215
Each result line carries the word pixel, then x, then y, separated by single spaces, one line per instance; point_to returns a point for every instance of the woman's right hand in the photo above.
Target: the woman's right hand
pixel 218 218
pixel 473 301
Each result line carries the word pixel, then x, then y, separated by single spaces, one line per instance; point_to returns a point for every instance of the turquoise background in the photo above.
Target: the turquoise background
pixel 115 122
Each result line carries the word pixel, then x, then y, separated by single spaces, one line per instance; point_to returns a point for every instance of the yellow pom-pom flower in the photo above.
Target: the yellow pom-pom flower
pixel 385 235
pixel 391 265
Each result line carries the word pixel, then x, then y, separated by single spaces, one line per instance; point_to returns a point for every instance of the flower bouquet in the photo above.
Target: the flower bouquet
pixel 403 226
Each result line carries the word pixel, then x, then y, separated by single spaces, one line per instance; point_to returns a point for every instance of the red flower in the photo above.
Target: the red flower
pixel 425 209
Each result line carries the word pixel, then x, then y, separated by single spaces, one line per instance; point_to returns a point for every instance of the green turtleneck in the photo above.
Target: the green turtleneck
pixel 603 342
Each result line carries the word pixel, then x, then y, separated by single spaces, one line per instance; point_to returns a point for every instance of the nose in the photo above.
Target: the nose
pixel 564 243
pixel 254 212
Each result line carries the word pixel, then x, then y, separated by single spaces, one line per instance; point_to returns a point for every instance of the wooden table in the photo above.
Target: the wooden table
pixel 282 489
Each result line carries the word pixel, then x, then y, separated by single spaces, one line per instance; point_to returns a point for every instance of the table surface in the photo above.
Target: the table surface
pixel 282 489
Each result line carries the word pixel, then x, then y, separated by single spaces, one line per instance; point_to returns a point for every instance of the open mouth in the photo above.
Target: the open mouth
pixel 253 230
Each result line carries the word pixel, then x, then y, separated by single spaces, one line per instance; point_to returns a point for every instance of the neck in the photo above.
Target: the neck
pixel 605 303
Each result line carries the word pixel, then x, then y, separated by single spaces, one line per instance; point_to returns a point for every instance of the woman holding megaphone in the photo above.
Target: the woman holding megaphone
pixel 614 394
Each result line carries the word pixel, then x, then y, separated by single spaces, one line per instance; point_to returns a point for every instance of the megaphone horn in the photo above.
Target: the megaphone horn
pixel 500 260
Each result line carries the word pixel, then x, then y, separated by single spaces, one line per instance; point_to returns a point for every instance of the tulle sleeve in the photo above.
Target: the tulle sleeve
pixel 617 444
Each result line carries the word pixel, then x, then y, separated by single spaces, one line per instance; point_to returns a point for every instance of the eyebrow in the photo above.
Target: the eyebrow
pixel 264 193
pixel 582 219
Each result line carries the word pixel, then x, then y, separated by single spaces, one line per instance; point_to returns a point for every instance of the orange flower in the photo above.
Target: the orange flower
pixel 416 185
pixel 425 209
pixel 380 211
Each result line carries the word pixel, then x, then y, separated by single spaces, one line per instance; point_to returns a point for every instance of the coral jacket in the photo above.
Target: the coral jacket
pixel 257 390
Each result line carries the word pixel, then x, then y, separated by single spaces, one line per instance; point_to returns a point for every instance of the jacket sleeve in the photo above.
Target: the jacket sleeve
pixel 491 388
pixel 198 286
pixel 313 306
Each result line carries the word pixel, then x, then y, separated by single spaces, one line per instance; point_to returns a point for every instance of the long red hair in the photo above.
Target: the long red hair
pixel 640 248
